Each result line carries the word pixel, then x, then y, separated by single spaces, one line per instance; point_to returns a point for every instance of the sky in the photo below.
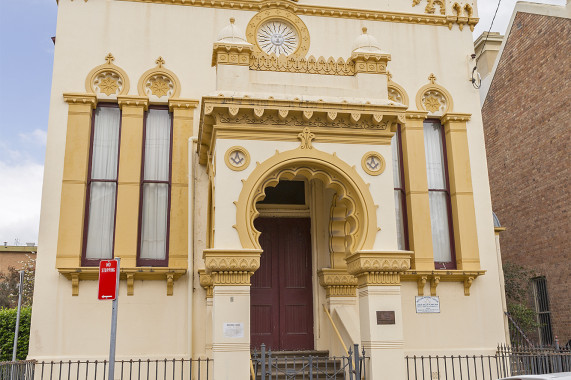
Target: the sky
pixel 26 58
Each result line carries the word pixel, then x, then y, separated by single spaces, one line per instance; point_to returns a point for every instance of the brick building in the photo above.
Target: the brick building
pixel 526 115
pixel 16 256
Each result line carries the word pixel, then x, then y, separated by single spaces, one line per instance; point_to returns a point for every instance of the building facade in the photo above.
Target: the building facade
pixel 530 184
pixel 258 164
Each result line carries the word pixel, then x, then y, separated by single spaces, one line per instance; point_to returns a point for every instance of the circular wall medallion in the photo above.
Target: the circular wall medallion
pixel 373 163
pixel 277 37
pixel 237 158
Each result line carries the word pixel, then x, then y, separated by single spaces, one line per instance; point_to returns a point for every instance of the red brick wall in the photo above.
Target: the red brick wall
pixel 527 123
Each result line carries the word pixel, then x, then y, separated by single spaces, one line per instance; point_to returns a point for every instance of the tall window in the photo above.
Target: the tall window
pixel 542 309
pixel 155 188
pixel 102 185
pixel 439 195
pixel 400 194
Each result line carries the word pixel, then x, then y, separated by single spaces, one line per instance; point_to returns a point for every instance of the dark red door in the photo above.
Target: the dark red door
pixel 281 301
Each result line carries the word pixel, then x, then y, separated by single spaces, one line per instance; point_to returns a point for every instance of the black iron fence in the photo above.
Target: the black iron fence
pixel 165 369
pixel 272 366
pixel 507 361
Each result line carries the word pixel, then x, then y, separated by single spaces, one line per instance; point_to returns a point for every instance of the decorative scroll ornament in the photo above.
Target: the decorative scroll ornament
pixel 107 81
pixel 430 6
pixel 159 84
pixel 306 137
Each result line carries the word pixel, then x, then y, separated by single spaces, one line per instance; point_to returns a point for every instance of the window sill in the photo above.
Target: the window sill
pixel 170 275
pixel 441 275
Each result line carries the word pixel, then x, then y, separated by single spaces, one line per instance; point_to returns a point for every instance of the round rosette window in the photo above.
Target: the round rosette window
pixel 277 37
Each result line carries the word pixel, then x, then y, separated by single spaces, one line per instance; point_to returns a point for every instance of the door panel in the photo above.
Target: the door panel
pixel 281 288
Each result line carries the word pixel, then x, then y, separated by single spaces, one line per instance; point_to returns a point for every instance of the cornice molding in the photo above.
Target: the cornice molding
pixel 133 101
pixel 231 266
pixel 435 277
pixel 378 267
pixel 273 119
pixel 338 282
pixel 183 104
pixel 321 11
pixel 455 117
pixel 78 98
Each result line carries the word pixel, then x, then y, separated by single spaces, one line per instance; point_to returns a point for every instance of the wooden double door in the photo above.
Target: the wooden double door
pixel 281 301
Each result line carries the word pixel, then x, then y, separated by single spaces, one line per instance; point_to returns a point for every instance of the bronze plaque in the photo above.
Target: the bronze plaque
pixel 385 317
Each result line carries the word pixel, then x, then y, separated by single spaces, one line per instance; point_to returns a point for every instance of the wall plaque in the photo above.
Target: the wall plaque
pixel 427 304
pixel 385 317
pixel 233 330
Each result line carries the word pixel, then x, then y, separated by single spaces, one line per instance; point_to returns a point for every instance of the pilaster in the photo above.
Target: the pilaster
pixel 230 271
pixel 183 120
pixel 75 169
pixel 129 178
pixel 461 193
pixel 416 184
pixel 380 309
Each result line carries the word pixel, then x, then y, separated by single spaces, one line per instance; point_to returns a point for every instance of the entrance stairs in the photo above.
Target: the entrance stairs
pixel 290 365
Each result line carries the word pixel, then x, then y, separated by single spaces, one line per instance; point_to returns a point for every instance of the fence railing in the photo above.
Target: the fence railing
pixel 139 369
pixel 270 366
pixel 507 361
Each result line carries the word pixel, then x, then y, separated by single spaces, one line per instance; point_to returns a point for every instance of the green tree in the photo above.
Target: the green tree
pixel 9 285
pixel 517 284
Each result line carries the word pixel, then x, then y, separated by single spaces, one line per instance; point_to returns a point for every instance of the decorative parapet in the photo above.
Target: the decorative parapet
pixel 282 120
pixel 378 268
pixel 129 274
pixel 231 267
pixel 435 277
pixel 232 54
pixel 370 63
pixel 298 64
pixel 337 282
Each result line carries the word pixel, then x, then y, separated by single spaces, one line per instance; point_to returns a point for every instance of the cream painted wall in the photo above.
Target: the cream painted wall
pixel 136 34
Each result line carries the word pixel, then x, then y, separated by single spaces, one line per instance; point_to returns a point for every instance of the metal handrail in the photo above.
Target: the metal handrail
pixel 336 330
pixel 252 372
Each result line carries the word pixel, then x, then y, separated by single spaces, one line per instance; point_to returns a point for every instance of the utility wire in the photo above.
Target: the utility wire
pixel 489 30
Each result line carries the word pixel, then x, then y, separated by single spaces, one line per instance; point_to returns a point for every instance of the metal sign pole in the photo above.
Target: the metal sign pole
pixel 114 326
pixel 20 291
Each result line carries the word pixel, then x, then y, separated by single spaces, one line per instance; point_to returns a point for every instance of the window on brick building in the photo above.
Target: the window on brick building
pixel 541 301
pixel 439 195
pixel 399 191
pixel 102 185
pixel 155 188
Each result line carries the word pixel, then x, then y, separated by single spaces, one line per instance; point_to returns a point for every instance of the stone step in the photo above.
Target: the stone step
pixel 295 365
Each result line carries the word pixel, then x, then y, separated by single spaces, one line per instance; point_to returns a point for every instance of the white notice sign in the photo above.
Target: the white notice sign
pixel 233 330
pixel 427 304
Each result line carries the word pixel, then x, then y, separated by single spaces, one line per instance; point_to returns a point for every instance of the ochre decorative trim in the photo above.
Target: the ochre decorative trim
pixel 397 93
pixel 319 11
pixel 296 64
pixel 182 104
pixel 337 282
pixel 272 119
pixel 369 160
pixel 336 174
pixel 231 267
pixel 378 268
pixel 73 98
pixel 276 13
pixel 133 101
pixel 434 98
pixel 128 274
pixel 107 80
pixel 238 162
pixel 430 8
pixel 232 54
pixel 437 276
pixel 206 282
pixel 370 63
pixel 159 83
